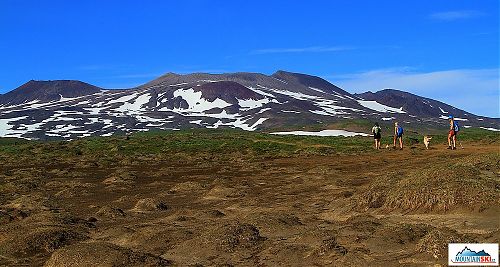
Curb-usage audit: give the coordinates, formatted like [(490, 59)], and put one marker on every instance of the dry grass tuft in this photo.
[(472, 183)]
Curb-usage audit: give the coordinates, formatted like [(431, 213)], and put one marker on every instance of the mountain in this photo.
[(309, 81), (249, 101), (413, 104), (45, 91)]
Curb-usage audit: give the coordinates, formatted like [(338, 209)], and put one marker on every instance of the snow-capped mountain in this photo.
[(250, 101), (413, 104)]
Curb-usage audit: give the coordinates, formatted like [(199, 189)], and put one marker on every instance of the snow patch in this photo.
[(388, 119), (442, 111), (178, 84), (341, 96), (196, 122), (247, 104), (320, 112), (93, 120), (123, 99), (374, 105), (323, 133), (327, 106), (144, 118), (260, 91), (64, 128), (296, 95), (257, 123), (197, 103), (6, 127), (222, 115), (63, 99), (136, 106), (457, 119), (280, 80), (316, 89), (263, 110), (490, 129), (94, 111), (238, 123)]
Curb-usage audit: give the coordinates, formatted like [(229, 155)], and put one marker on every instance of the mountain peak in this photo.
[(46, 91), (243, 100), (282, 72), (308, 80), (227, 90), (414, 104)]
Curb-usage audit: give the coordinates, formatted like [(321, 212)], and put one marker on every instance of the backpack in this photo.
[(377, 130), (456, 128), (400, 130)]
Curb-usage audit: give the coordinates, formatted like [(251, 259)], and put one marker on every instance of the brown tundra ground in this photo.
[(100, 202)]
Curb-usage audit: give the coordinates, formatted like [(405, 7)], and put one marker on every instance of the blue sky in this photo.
[(447, 49)]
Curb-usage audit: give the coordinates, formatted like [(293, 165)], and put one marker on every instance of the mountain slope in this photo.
[(249, 101), (414, 104), (45, 91), (309, 81)]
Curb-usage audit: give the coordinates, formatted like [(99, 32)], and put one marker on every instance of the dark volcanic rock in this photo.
[(46, 91), (309, 80), (413, 104), (227, 90)]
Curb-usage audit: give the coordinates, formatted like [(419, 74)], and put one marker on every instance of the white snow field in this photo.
[(323, 133), (6, 128), (197, 103), (374, 105)]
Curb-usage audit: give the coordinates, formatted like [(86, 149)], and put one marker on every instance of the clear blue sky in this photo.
[(447, 49)]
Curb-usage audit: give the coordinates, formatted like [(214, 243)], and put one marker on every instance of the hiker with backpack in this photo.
[(377, 135), (452, 133), (398, 134)]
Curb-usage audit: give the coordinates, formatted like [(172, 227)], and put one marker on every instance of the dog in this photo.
[(427, 141)]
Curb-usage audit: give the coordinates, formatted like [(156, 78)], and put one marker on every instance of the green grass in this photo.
[(218, 142), (465, 135)]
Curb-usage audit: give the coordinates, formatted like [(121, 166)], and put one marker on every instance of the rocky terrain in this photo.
[(233, 198)]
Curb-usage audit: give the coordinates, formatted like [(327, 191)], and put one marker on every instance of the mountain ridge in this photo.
[(49, 90), (408, 101), (250, 101)]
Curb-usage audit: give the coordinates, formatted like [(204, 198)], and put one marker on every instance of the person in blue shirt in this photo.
[(452, 133), (398, 135)]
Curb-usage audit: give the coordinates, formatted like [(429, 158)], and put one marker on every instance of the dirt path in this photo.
[(289, 211)]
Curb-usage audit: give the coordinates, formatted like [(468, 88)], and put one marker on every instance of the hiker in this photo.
[(377, 135), (452, 133), (398, 134)]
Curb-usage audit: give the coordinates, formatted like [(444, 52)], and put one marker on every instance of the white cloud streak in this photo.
[(311, 49), (456, 15), (474, 90)]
